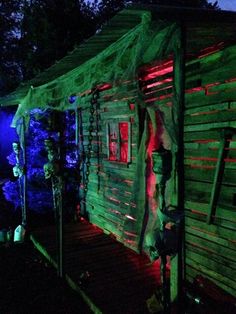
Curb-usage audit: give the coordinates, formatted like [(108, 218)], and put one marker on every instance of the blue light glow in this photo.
[(72, 99)]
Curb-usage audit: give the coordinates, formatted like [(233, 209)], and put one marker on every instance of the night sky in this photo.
[(224, 4), (227, 4)]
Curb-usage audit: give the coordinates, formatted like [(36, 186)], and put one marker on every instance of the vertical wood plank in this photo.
[(24, 209), (224, 144), (177, 264)]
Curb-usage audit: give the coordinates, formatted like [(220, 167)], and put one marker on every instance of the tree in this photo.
[(107, 8), (182, 3), (36, 33), (10, 71), (50, 29)]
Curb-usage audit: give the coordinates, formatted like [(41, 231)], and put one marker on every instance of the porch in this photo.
[(110, 277)]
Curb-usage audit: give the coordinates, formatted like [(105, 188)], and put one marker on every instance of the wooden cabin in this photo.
[(155, 78)]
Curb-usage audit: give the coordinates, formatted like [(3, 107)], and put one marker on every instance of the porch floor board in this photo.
[(120, 280)]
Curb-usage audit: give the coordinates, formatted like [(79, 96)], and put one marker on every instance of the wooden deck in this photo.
[(120, 280)]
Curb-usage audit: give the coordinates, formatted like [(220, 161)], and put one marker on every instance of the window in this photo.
[(118, 141)]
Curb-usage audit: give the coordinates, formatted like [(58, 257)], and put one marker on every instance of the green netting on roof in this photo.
[(149, 40), (120, 61)]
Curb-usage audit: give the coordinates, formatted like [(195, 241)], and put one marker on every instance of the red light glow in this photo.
[(104, 86), (205, 141), (194, 211), (131, 106), (204, 158), (204, 113), (129, 182), (194, 90), (202, 167), (114, 199), (114, 211), (131, 234), (124, 133), (157, 73), (159, 98), (130, 242), (229, 160), (208, 51), (231, 80), (167, 80), (130, 217), (127, 192), (86, 92), (158, 70)]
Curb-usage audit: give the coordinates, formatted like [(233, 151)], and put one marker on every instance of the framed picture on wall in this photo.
[(118, 141)]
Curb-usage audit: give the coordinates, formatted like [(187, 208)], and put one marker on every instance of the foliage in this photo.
[(182, 3), (34, 34), (39, 190), (10, 72), (108, 8), (11, 193), (50, 29)]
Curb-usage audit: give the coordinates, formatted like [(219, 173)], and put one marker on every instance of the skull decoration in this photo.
[(16, 147), (150, 245), (50, 169), (51, 149), (161, 242), (18, 171), (162, 167)]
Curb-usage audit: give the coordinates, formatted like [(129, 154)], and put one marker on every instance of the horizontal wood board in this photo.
[(110, 185), (120, 280), (210, 107)]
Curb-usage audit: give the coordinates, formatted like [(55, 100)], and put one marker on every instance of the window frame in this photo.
[(118, 141)]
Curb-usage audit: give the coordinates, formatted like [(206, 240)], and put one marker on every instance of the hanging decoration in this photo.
[(163, 241), (93, 129), (52, 171), (19, 172)]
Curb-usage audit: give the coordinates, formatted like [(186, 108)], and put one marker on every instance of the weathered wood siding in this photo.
[(109, 193), (210, 105)]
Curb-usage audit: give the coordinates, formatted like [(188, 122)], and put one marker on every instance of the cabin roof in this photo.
[(114, 29), (203, 28)]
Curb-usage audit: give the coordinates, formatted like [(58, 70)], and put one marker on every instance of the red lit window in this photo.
[(156, 80), (118, 135)]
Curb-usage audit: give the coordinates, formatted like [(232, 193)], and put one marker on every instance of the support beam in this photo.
[(77, 133), (24, 207), (61, 235), (226, 135), (177, 262)]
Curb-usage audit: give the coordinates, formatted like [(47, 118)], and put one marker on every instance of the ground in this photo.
[(29, 284)]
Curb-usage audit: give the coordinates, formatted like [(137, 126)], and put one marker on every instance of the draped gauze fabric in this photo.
[(148, 41)]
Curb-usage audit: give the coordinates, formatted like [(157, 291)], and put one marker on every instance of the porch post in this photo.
[(177, 262), (61, 233), (24, 207), (77, 133)]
